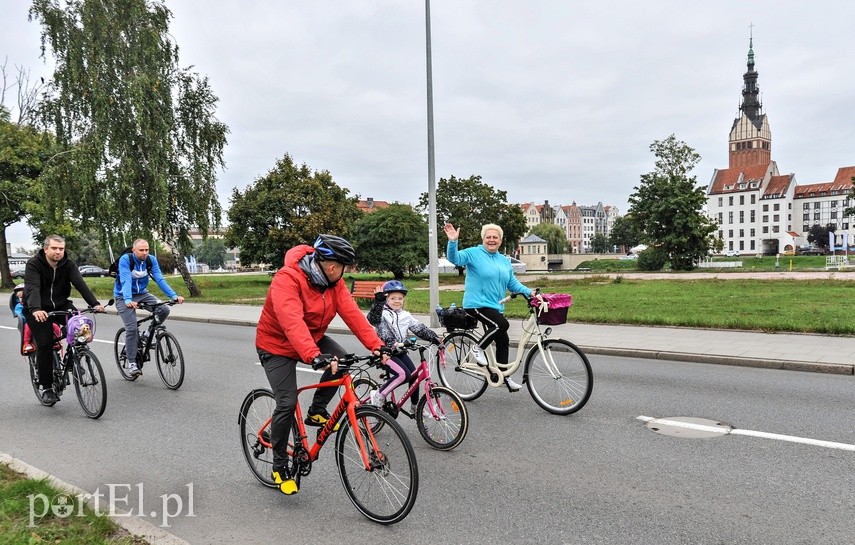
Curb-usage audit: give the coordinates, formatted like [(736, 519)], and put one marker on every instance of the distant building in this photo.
[(370, 205)]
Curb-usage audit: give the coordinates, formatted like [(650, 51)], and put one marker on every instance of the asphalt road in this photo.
[(521, 475)]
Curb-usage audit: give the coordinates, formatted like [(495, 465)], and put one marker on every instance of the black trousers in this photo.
[(495, 331), (44, 339), (282, 375)]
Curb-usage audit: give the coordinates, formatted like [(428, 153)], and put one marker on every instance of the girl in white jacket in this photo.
[(395, 325)]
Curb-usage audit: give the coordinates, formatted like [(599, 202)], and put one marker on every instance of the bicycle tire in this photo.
[(256, 409), (170, 360), (449, 427), (362, 387), (34, 378), (568, 393), (121, 356), (387, 492), (458, 349), (89, 383)]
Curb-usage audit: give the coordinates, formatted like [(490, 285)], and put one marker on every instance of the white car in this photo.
[(731, 253), (517, 265)]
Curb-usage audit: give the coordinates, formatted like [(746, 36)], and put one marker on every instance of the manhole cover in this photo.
[(688, 427)]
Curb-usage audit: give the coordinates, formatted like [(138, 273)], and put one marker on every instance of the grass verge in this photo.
[(82, 527)]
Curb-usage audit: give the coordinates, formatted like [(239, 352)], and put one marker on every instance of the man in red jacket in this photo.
[(304, 297)]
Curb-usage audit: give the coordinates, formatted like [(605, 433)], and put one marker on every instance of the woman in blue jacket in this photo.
[(488, 276)]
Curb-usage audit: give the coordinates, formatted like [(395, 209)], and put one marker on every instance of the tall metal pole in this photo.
[(433, 267)]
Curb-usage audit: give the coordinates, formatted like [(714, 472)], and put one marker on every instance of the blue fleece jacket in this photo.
[(488, 276), (133, 278)]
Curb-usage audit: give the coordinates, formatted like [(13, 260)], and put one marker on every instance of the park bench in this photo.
[(363, 289)]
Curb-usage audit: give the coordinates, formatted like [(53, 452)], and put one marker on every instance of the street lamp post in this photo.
[(433, 266)]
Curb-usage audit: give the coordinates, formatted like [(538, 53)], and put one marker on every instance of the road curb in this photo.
[(784, 365), (133, 525)]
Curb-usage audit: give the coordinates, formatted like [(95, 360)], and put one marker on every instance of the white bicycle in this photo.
[(557, 374)]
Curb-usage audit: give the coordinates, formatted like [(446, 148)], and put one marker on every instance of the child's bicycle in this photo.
[(78, 361), (378, 469), (168, 354), (440, 415), (557, 374)]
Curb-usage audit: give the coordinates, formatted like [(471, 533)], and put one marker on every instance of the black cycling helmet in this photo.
[(333, 248), (394, 285)]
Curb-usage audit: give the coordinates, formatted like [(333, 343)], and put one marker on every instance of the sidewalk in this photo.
[(793, 351)]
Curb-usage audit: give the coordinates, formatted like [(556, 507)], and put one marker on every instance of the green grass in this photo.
[(814, 306), (71, 530)]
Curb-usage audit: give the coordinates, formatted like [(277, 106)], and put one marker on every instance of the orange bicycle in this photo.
[(378, 469)]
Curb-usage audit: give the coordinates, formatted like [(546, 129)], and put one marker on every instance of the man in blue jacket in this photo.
[(131, 289)]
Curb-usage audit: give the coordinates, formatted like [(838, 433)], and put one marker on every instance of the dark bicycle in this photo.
[(77, 364), (167, 351)]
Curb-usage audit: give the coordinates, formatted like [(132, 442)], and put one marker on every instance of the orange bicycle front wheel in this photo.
[(386, 490)]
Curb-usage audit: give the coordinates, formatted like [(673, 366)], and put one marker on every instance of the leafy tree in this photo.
[(392, 239), (212, 251), (555, 237), (600, 244), (624, 232), (23, 152), (470, 203), (818, 234), (667, 206), (290, 205), (851, 210), (141, 144)]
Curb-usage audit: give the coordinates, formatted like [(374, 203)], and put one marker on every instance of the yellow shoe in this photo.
[(319, 419), (287, 485)]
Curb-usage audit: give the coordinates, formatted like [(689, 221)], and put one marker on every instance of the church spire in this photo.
[(750, 141), (751, 106)]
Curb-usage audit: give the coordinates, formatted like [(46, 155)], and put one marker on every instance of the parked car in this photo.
[(17, 273), (813, 251), (93, 270), (731, 253), (517, 265)]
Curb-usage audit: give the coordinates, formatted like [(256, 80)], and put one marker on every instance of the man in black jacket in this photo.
[(47, 287)]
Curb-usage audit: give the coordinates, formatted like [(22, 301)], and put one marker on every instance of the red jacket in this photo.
[(296, 313)]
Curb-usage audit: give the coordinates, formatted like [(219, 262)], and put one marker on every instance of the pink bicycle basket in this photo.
[(558, 305)]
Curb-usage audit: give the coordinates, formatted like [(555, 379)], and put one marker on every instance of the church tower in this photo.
[(750, 140)]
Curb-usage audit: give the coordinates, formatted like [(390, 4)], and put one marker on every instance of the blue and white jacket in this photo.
[(133, 278)]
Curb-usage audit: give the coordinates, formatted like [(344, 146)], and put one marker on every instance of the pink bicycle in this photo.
[(440, 415)]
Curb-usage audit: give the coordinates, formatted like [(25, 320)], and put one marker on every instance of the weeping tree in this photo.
[(141, 144)]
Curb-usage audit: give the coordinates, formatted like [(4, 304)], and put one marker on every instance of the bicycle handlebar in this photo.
[(72, 312), (535, 291), (152, 306), (345, 362)]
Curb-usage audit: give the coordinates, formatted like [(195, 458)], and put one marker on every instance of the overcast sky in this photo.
[(554, 100)]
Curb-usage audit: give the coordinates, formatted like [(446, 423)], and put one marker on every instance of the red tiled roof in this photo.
[(844, 177), (370, 206), (727, 180), (778, 186)]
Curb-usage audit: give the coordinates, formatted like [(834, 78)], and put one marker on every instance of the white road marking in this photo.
[(750, 433)]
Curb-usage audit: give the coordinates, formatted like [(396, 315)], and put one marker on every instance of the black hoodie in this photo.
[(47, 289)]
